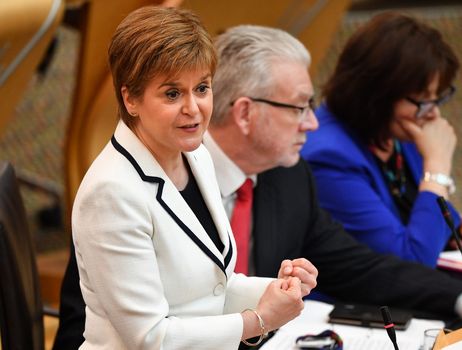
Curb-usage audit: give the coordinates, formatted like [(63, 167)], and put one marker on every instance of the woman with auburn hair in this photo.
[(153, 244), (383, 152)]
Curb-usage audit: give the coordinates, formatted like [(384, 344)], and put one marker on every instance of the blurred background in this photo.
[(52, 127)]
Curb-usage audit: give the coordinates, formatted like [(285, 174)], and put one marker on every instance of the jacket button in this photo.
[(219, 289)]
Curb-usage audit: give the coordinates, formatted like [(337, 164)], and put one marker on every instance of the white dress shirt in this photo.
[(229, 177)]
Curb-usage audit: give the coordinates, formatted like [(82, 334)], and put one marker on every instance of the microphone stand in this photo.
[(448, 218), (389, 325)]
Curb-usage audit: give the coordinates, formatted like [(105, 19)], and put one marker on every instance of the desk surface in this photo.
[(314, 319)]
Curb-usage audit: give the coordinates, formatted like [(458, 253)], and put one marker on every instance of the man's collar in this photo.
[(229, 176)]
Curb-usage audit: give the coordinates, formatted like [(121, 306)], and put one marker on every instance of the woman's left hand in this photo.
[(303, 269)]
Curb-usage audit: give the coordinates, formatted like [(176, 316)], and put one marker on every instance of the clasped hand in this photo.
[(282, 300), (302, 269)]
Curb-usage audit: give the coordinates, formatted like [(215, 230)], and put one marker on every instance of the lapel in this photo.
[(149, 170), (212, 197), (414, 163), (374, 171)]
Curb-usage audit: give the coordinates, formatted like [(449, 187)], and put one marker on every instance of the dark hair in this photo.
[(387, 59), (153, 41)]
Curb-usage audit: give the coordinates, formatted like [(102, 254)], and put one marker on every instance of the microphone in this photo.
[(389, 325), (448, 218)]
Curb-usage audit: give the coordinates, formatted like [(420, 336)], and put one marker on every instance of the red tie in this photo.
[(240, 223)]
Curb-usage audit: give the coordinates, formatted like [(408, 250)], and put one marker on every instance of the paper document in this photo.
[(450, 260), (455, 346), (314, 320)]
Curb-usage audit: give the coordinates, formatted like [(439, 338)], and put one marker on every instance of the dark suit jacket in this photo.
[(289, 224)]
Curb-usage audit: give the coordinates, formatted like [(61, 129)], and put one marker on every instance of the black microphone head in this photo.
[(386, 315), (389, 326)]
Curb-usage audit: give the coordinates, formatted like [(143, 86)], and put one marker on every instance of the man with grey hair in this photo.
[(263, 106)]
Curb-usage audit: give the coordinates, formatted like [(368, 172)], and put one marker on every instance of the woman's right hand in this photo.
[(436, 142), (281, 302)]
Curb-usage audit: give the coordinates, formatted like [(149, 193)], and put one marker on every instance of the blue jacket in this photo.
[(351, 186)]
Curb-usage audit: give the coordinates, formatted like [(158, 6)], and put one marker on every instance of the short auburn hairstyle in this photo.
[(154, 41), (390, 57)]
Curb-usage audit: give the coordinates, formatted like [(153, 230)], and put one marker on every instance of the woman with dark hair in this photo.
[(383, 153)]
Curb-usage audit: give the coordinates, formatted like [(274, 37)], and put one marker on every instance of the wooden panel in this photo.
[(51, 327), (51, 267), (104, 119), (314, 22)]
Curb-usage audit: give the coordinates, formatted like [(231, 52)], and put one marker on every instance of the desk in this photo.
[(314, 320)]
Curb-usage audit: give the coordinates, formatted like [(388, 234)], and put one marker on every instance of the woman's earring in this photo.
[(134, 114)]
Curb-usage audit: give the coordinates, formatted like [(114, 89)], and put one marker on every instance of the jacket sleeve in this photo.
[(350, 271), (348, 192), (244, 292)]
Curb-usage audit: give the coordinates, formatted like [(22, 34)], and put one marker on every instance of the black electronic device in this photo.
[(367, 316)]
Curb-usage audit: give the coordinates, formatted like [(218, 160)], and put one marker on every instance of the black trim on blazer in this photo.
[(180, 223), (230, 252)]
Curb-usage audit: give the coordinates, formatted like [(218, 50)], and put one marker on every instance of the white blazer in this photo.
[(150, 275)]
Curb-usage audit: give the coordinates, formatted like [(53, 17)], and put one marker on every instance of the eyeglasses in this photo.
[(302, 111), (423, 107)]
